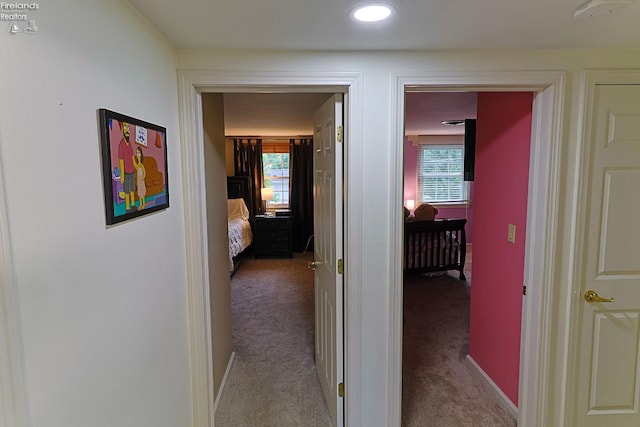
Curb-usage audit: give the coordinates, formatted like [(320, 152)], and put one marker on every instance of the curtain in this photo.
[(301, 191), (248, 162)]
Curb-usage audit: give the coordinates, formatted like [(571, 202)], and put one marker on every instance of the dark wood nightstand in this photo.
[(273, 236)]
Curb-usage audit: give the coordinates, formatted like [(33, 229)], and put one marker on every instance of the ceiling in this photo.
[(424, 112), (417, 24), (291, 114), (271, 114)]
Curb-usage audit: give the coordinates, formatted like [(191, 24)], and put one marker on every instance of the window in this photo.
[(275, 167), (440, 174)]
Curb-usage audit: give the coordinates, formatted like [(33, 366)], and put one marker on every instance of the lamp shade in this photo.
[(411, 204), (266, 193)]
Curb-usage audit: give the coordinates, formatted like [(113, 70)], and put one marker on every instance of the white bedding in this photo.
[(240, 235)]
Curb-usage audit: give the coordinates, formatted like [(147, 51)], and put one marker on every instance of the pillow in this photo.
[(236, 208)]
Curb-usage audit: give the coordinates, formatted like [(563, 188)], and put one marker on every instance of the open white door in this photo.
[(327, 187), (607, 389)]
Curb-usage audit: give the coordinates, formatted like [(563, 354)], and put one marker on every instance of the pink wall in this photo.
[(501, 186), (462, 212), (410, 170), (411, 182)]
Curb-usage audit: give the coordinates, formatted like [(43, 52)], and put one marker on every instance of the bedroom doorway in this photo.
[(547, 88), (437, 307), (336, 362)]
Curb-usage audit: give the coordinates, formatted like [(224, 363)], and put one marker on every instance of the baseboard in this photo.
[(224, 380), (504, 400)]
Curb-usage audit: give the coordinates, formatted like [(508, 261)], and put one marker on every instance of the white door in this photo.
[(608, 359), (327, 187)]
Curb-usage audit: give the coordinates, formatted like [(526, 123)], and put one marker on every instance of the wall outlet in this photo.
[(511, 233)]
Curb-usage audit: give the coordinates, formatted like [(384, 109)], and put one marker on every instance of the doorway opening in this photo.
[(542, 199), (271, 289), (191, 86), (442, 378)]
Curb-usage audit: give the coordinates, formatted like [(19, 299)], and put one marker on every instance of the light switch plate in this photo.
[(511, 233)]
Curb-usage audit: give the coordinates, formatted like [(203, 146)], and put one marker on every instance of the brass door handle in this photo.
[(592, 296), (313, 264)]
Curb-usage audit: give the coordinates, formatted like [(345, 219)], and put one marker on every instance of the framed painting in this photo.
[(134, 166)]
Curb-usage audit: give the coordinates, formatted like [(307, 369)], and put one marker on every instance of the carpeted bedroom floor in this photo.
[(440, 386), (273, 380)]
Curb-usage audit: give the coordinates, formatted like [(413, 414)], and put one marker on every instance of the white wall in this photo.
[(377, 69), (102, 310)]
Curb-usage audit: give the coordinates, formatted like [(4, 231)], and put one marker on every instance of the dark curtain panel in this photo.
[(248, 162), (301, 196)]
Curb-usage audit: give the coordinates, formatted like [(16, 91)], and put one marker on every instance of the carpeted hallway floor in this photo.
[(273, 380)]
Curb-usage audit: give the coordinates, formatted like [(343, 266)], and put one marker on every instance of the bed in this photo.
[(240, 235), (434, 245), (239, 218)]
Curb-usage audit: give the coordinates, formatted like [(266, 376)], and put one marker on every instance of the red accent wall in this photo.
[(501, 187)]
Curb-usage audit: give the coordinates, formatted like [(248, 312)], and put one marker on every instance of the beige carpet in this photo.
[(273, 381), (440, 386)]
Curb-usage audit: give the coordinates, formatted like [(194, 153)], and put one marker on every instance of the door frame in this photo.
[(588, 80), (191, 84), (541, 236)]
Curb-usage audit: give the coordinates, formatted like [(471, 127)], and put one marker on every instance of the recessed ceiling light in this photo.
[(372, 12)]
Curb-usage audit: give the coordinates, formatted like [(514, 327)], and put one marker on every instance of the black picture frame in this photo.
[(140, 149)]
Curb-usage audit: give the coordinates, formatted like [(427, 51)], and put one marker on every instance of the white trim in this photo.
[(190, 84), (396, 305), (13, 402), (578, 169), (504, 400), (200, 354), (541, 234), (540, 252), (223, 383)]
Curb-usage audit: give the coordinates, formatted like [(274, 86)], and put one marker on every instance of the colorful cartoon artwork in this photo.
[(135, 172)]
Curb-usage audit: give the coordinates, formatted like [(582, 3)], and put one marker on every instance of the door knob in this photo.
[(313, 264), (592, 296)]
